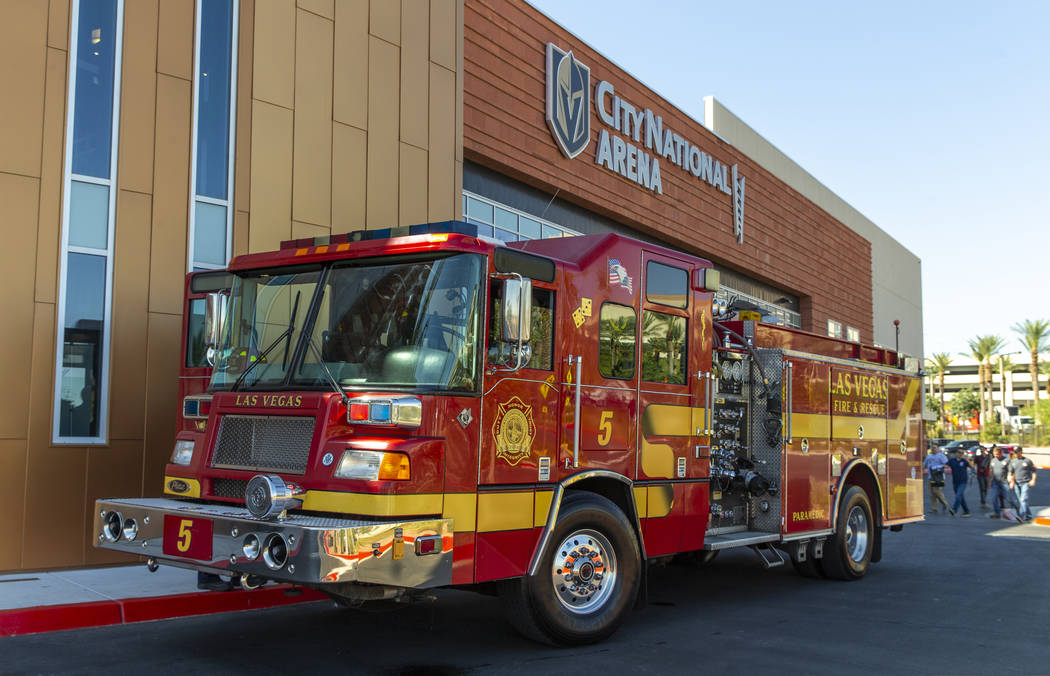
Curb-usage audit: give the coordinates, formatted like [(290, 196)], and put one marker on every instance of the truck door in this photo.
[(668, 422), (195, 369), (518, 434)]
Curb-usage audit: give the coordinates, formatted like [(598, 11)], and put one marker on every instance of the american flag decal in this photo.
[(618, 275)]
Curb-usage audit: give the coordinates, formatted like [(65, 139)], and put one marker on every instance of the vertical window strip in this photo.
[(213, 145), (85, 291)]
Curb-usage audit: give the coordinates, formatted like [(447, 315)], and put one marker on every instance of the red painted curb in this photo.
[(38, 619), (59, 618)]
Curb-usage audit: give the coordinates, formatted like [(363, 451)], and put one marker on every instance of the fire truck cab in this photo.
[(395, 410)]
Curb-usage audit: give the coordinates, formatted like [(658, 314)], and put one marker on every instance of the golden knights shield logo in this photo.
[(568, 101), (513, 431)]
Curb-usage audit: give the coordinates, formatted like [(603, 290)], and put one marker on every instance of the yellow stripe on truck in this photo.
[(369, 504)]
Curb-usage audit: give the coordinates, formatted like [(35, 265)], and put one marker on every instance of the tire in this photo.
[(544, 607), (848, 552)]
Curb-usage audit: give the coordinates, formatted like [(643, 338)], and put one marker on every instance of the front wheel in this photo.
[(587, 579), (850, 549)]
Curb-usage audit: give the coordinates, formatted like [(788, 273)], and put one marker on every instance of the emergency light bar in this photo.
[(442, 227)]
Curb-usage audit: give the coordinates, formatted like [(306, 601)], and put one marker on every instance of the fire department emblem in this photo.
[(568, 101), (513, 431)]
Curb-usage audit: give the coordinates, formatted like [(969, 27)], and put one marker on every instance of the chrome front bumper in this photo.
[(320, 550)]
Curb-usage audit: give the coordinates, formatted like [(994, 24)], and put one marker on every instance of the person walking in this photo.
[(1022, 477), (999, 475), (934, 464), (960, 466), (981, 461)]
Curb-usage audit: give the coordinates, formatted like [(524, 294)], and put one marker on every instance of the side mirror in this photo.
[(517, 310), (214, 318)]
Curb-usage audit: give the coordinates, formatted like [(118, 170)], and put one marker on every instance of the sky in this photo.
[(928, 117)]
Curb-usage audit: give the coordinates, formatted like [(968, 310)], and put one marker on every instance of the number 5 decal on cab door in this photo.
[(605, 428)]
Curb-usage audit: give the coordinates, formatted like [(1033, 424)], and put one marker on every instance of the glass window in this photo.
[(852, 334), (479, 210), (214, 84), (93, 99), (81, 367), (664, 341), (504, 235), (213, 96), (209, 243), (666, 285), (834, 328), (530, 228), (196, 351), (508, 220), (542, 341), (88, 215), (616, 341), (550, 232)]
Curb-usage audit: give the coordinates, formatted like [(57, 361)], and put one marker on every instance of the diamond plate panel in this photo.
[(264, 443), (768, 458)]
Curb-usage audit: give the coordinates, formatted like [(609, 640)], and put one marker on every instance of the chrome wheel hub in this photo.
[(856, 534), (583, 571)]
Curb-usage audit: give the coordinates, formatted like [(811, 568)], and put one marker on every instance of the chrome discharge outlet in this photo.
[(275, 551)]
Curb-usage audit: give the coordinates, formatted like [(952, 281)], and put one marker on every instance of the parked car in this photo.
[(936, 443), (967, 445)]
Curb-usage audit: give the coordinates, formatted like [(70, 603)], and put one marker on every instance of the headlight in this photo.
[(183, 452), (373, 466)]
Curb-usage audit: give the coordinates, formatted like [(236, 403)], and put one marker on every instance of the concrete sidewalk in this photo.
[(91, 597)]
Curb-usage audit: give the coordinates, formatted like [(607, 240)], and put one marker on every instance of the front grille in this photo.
[(229, 488), (263, 443)]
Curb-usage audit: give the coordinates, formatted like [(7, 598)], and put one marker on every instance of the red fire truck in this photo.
[(390, 411)]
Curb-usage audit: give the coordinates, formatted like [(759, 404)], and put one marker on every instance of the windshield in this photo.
[(402, 323), (265, 320)]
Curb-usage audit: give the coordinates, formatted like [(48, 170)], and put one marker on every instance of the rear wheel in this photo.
[(587, 579), (848, 552)]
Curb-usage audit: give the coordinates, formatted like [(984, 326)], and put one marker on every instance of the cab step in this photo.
[(770, 555)]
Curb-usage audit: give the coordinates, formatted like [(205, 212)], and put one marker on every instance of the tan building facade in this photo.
[(344, 114)]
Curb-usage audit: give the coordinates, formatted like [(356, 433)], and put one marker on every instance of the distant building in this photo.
[(962, 374)]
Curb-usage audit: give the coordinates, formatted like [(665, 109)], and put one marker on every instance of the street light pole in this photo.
[(897, 339), (1002, 384)]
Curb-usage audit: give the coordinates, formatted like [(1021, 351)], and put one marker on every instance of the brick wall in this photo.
[(789, 242)]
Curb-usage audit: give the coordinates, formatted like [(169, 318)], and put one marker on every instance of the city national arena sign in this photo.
[(633, 140)]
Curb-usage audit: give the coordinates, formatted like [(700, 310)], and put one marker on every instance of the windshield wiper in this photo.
[(327, 372), (287, 333)]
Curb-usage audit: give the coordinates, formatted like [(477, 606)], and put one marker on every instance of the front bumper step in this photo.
[(319, 550)]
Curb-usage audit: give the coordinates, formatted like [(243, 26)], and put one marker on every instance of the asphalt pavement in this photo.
[(951, 596)]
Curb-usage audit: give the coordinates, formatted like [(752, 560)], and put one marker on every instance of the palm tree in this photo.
[(982, 349), (1002, 366), (941, 360), (1034, 334)]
